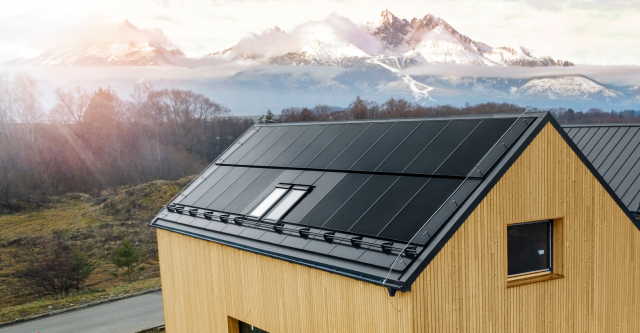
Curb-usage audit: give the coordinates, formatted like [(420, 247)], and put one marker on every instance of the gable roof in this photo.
[(381, 190), (614, 150)]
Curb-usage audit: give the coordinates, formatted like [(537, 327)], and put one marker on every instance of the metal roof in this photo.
[(386, 194), (614, 150)]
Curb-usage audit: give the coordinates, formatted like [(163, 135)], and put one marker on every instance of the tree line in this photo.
[(401, 108), (93, 140)]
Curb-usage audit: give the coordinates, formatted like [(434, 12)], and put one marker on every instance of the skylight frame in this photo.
[(287, 198)]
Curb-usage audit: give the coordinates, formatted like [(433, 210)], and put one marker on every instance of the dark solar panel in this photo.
[(360, 202), (263, 145), (442, 147), (388, 205), (298, 145), (205, 185), (317, 146), (337, 146), (220, 187), (334, 199), (257, 186), (251, 142), (308, 177), (419, 210), (235, 189), (410, 148), (323, 186), (385, 146), (360, 146), (279, 146), (474, 147), (287, 176)]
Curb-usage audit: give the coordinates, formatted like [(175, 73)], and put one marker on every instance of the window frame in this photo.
[(289, 188), (556, 255)]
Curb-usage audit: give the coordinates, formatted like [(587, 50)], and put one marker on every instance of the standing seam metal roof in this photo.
[(381, 190), (614, 150)]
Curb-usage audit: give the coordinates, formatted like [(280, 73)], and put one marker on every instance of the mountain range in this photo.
[(373, 64)]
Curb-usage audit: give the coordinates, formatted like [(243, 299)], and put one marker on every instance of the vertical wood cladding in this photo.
[(464, 289)]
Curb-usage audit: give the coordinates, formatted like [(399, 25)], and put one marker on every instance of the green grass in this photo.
[(96, 226)]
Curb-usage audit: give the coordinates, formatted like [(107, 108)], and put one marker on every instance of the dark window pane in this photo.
[(528, 246), (246, 328)]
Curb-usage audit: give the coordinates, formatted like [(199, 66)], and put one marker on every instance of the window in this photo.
[(529, 247), (246, 328), (280, 202)]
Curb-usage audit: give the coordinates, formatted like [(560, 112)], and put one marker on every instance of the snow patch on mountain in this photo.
[(566, 87)]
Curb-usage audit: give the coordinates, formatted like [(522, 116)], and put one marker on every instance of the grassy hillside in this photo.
[(96, 226)]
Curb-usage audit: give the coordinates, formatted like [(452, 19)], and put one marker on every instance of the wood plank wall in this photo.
[(462, 290)]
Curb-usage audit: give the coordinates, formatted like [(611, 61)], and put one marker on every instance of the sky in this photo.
[(592, 32)]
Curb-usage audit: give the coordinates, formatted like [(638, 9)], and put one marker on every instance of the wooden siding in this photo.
[(464, 289)]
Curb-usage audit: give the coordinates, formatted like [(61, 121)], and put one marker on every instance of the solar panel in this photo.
[(442, 147), (273, 151), (385, 146), (398, 161), (360, 146), (338, 145), (334, 199), (317, 146), (298, 145)]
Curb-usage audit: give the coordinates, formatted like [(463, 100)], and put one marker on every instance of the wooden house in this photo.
[(492, 223)]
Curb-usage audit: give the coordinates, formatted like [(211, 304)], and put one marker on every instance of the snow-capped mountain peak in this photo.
[(118, 45)]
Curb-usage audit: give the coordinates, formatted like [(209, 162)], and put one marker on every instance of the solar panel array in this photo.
[(614, 150), (377, 179)]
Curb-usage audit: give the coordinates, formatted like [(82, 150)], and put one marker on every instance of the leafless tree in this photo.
[(26, 101), (71, 107), (6, 104)]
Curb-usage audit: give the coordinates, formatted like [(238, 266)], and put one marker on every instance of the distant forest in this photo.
[(93, 140)]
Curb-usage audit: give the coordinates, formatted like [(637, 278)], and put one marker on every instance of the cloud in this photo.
[(335, 30), (616, 75), (101, 31)]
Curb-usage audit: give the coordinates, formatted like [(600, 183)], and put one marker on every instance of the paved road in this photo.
[(128, 315)]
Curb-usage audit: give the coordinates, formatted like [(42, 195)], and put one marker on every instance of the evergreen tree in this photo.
[(126, 258)]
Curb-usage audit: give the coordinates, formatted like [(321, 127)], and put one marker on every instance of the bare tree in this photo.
[(71, 107), (6, 104), (28, 108)]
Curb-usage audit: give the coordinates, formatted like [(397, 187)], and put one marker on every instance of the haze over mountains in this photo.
[(370, 60)]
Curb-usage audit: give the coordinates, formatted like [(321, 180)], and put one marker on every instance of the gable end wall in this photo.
[(462, 290)]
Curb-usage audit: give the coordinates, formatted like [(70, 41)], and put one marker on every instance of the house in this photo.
[(614, 150), (491, 223)]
